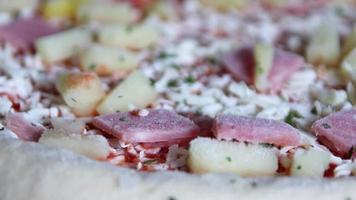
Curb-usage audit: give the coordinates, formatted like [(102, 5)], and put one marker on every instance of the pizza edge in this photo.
[(34, 172)]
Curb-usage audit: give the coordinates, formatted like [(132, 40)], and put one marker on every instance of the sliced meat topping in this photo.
[(256, 130), (205, 123), (23, 33), (285, 64), (300, 8), (337, 131), (158, 126), (240, 64), (24, 129)]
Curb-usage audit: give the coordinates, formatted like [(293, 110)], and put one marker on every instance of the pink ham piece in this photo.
[(255, 130), (24, 129), (205, 123), (162, 127), (241, 65), (337, 131), (23, 33), (299, 8), (285, 64)]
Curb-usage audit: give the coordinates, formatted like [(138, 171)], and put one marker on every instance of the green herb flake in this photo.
[(152, 82), (259, 70), (172, 83), (348, 198), (149, 162), (213, 60), (190, 79), (228, 158), (92, 67), (74, 100), (314, 110), (199, 112), (299, 167), (129, 29), (165, 55), (267, 145), (293, 114)]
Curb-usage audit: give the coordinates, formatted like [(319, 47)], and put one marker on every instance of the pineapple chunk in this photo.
[(17, 5), (324, 46), (164, 10), (63, 45), (69, 125), (61, 8), (264, 59), (311, 162), (210, 155), (348, 66), (226, 4), (107, 60), (81, 91), (93, 146), (350, 42), (107, 12), (136, 90), (132, 37)]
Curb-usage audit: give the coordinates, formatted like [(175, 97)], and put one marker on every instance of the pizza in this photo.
[(177, 100)]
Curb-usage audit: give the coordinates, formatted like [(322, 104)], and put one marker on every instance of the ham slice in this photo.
[(24, 129), (299, 8), (337, 131), (256, 130), (205, 123), (285, 64), (241, 65), (23, 33), (161, 127)]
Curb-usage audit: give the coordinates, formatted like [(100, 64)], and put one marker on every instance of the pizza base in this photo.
[(33, 172)]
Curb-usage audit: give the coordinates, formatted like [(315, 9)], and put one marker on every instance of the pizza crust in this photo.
[(33, 172)]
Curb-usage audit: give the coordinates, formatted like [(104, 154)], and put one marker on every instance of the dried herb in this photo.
[(172, 83), (325, 125), (190, 79), (291, 116), (165, 55)]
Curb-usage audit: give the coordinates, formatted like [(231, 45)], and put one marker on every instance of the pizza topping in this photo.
[(158, 126), (25, 130), (241, 64), (299, 8), (211, 155), (257, 130), (285, 64), (204, 122), (311, 162), (92, 146), (23, 33), (337, 131)]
